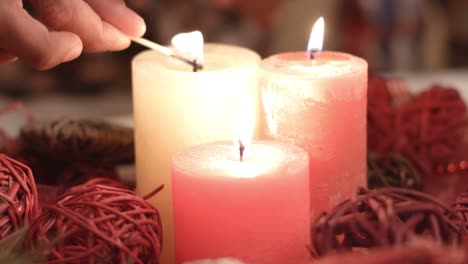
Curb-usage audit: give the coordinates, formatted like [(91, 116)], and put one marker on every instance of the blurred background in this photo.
[(392, 35)]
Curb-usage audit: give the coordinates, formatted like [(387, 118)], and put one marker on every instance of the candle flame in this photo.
[(316, 38), (190, 45), (244, 123)]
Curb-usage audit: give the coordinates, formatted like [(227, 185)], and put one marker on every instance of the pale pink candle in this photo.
[(255, 210), (320, 105)]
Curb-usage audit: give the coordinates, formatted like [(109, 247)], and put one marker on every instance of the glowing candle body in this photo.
[(175, 107), (256, 210), (321, 107)]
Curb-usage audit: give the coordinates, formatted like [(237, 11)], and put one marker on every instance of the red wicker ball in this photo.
[(461, 208), (428, 129), (420, 252), (108, 182), (384, 217), (97, 224), (18, 196)]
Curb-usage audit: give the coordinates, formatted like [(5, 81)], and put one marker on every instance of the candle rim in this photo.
[(251, 60), (286, 150), (268, 65)]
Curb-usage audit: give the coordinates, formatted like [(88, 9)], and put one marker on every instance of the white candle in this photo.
[(255, 210), (175, 107)]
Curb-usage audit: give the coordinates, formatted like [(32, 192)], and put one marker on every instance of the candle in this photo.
[(175, 107), (255, 210), (318, 101)]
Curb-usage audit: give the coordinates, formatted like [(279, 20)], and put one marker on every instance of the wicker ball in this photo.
[(383, 217), (429, 129), (79, 140), (97, 224), (461, 208), (391, 170), (108, 182), (18, 196), (421, 252)]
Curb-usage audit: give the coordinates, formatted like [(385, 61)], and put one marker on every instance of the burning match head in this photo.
[(194, 63), (196, 66)]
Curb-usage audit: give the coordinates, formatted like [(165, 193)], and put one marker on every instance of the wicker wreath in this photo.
[(18, 195), (97, 224), (383, 217), (79, 140)]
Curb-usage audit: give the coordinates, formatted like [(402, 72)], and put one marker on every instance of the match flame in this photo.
[(316, 37), (190, 45)]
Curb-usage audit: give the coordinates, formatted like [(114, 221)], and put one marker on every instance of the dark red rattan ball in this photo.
[(391, 170), (383, 217), (461, 208), (79, 140), (420, 252), (429, 129), (18, 196), (97, 224)]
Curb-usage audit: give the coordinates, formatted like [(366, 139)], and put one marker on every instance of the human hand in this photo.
[(68, 28)]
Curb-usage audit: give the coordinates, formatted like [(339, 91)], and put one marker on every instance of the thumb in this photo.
[(29, 40)]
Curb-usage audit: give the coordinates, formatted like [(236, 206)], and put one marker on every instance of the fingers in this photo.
[(24, 37), (118, 14), (78, 17)]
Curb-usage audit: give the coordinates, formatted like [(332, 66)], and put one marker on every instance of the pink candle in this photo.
[(320, 105), (255, 210)]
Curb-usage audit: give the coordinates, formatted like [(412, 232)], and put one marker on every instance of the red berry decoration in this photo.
[(97, 224), (18, 196), (383, 217)]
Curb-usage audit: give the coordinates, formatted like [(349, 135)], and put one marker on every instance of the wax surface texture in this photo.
[(175, 108), (256, 210), (320, 106)]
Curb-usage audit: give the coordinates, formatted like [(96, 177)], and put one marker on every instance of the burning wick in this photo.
[(241, 150), (313, 54), (314, 48)]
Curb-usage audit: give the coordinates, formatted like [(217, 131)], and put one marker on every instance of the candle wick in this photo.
[(194, 64), (241, 150), (313, 54)]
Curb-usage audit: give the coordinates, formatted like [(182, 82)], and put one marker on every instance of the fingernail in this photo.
[(123, 42), (73, 53), (141, 28)]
